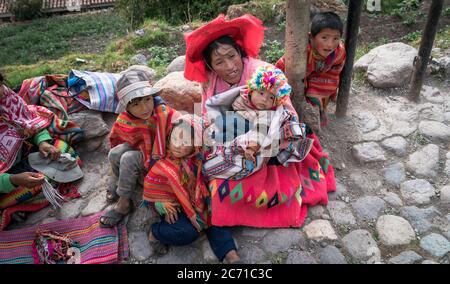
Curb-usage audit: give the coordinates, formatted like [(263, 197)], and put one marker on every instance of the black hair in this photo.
[(216, 44), (1, 79), (325, 20)]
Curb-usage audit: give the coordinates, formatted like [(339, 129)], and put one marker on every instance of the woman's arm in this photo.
[(5, 183), (42, 140)]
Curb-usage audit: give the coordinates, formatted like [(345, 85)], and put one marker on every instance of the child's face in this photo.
[(263, 100), (181, 144), (141, 107), (326, 41)]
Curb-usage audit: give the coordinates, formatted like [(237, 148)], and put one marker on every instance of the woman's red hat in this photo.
[(247, 31)]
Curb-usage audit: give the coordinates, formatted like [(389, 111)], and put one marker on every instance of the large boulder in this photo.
[(177, 64), (388, 65), (179, 93)]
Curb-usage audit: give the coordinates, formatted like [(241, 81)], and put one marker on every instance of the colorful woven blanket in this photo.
[(274, 196), (97, 245), (18, 121), (149, 136), (51, 92), (282, 137), (100, 86)]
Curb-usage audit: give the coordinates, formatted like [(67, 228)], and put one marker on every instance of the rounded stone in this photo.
[(420, 218), (360, 244), (406, 257), (418, 191), (300, 257), (340, 213), (368, 207), (281, 240), (435, 131), (425, 162), (393, 199), (331, 255), (140, 247), (368, 152), (320, 230), (435, 244), (394, 230), (396, 144), (394, 174), (445, 194)]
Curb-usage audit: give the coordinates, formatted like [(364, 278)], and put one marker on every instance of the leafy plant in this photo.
[(408, 10), (161, 56), (274, 51), (26, 9)]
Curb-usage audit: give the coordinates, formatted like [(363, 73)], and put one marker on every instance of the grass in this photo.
[(53, 55), (52, 38), (442, 39)]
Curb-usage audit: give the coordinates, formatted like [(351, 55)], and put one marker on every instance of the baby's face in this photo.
[(263, 100), (181, 144), (141, 107)]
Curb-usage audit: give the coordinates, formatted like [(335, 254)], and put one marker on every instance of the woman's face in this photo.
[(227, 63)]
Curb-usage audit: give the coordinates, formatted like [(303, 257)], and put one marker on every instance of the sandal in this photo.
[(113, 218)]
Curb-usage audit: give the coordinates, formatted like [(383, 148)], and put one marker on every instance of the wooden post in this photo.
[(297, 28), (426, 44), (351, 38)]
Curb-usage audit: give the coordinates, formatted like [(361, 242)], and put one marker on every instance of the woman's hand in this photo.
[(47, 149), (27, 179)]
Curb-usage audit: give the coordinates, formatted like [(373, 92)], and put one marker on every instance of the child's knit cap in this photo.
[(271, 79)]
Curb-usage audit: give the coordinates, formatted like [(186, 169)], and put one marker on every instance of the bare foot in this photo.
[(232, 257)]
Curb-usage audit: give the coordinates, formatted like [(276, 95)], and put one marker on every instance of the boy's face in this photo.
[(326, 41), (263, 100), (141, 107), (181, 144)]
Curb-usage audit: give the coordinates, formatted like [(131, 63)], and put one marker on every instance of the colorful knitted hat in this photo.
[(271, 79)]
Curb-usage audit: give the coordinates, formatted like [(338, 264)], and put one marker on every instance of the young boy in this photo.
[(326, 58), (176, 188), (137, 139)]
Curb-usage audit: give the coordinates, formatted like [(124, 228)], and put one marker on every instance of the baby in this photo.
[(265, 91)]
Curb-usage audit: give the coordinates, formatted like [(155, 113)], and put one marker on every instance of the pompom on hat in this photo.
[(271, 79), (247, 31)]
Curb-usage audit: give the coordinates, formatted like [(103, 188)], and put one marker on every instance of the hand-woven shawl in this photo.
[(149, 136), (180, 181), (18, 121)]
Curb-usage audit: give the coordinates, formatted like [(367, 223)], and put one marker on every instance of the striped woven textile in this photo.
[(51, 92), (97, 245), (100, 86)]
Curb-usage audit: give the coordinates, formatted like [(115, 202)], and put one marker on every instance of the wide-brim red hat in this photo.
[(247, 31)]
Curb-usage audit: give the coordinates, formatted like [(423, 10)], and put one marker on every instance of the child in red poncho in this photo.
[(326, 58)]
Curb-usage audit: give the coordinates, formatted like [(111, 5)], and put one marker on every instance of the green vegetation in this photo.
[(273, 51), (173, 11), (52, 38), (442, 39)]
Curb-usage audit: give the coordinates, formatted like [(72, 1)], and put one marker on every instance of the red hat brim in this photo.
[(247, 31)]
